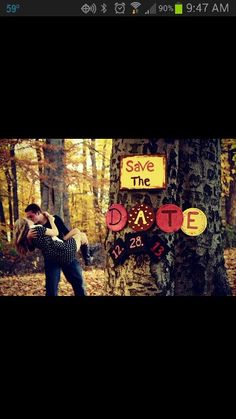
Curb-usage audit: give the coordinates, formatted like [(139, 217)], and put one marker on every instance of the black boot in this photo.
[(86, 254)]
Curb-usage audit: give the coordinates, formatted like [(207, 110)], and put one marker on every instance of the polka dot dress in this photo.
[(62, 252)]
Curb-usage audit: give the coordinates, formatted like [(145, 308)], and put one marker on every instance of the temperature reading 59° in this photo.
[(12, 8)]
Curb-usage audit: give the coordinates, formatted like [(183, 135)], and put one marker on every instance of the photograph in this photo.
[(117, 217)]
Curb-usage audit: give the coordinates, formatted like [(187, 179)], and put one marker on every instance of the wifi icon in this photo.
[(135, 6)]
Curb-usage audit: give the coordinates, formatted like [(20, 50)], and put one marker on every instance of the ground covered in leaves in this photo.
[(33, 285)]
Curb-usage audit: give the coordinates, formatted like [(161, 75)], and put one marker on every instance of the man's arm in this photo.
[(63, 230), (53, 231)]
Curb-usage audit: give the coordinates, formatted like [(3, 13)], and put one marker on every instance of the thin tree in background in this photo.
[(14, 181), (85, 187), (41, 168), (65, 194), (3, 232), (103, 173), (9, 198), (97, 209)]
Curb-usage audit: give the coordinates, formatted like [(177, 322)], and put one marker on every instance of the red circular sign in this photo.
[(141, 217), (169, 218), (116, 217)]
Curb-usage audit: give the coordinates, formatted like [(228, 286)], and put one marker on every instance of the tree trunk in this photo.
[(14, 182), (66, 210), (3, 232), (139, 275), (199, 264), (97, 209), (103, 174), (54, 191), (45, 175), (41, 168), (9, 198), (194, 265), (85, 188)]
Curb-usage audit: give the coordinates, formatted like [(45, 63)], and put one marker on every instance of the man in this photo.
[(73, 271)]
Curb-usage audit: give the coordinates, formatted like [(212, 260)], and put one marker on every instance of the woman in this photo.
[(53, 248)]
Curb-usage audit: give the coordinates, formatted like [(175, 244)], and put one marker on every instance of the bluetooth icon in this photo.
[(103, 8)]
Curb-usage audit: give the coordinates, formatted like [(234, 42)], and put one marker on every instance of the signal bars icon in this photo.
[(86, 8), (152, 10)]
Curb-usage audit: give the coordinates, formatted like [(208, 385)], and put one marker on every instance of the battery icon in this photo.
[(178, 9)]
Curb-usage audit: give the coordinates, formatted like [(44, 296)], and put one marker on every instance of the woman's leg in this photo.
[(77, 240), (84, 238)]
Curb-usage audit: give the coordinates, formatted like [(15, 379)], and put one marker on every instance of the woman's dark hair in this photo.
[(34, 208)]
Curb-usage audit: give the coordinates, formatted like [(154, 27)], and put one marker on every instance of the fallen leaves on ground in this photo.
[(34, 285), (230, 264)]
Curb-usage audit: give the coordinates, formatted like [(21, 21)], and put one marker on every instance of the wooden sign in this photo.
[(141, 217), (143, 172), (157, 248), (195, 222), (136, 243), (169, 218), (116, 217), (118, 252)]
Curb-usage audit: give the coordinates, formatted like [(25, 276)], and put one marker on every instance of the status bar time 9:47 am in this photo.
[(145, 8)]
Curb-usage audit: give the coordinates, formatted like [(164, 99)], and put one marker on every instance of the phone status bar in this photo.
[(121, 8)]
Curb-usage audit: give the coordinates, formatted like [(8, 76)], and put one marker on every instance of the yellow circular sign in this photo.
[(195, 222)]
